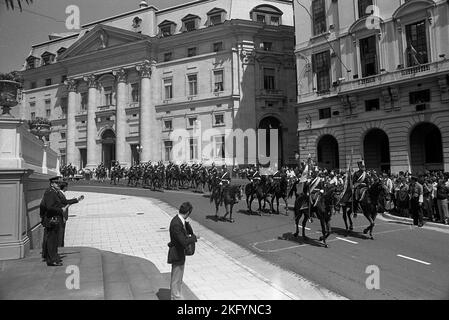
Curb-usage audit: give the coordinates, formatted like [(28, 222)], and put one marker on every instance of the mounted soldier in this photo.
[(360, 183)]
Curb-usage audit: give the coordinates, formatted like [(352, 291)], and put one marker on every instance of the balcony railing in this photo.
[(395, 76)]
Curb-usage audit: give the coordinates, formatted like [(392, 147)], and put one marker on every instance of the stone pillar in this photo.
[(147, 112), (71, 122), (91, 121), (120, 117)]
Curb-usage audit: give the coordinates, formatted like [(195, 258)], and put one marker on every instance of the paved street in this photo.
[(412, 261), (138, 227)]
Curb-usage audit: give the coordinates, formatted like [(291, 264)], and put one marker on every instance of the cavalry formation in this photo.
[(316, 194)]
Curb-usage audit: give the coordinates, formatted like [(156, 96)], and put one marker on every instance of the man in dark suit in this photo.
[(51, 208), (66, 202), (181, 235)]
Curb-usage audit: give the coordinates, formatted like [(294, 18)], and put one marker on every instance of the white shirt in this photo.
[(182, 220)]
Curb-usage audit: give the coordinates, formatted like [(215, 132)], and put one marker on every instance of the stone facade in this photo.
[(121, 85), (388, 106)]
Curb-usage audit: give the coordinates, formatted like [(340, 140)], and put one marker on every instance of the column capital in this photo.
[(91, 80), (145, 68), (72, 85), (121, 75)]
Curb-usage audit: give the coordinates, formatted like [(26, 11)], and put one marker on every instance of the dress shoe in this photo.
[(54, 264)]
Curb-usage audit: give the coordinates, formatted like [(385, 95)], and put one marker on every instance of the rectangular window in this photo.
[(47, 104), (420, 97), (191, 122), (321, 67), (416, 44), (167, 56), (269, 78), (218, 46), (33, 115), (219, 119), (63, 78), (193, 148), (63, 135), (48, 82), (64, 104), (267, 46), (372, 105), (260, 18), (191, 52), (32, 104), (218, 81), (319, 16), (215, 19), (84, 99), (368, 56), (168, 88), (193, 85), (189, 25), (166, 31), (168, 124), (363, 8), (33, 85), (274, 21), (220, 146), (325, 113), (135, 92), (168, 146), (108, 96)]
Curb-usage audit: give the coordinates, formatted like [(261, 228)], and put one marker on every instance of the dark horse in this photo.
[(231, 195), (279, 190), (321, 205), (369, 201), (257, 189)]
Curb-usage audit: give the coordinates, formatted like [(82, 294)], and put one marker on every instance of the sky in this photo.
[(20, 30)]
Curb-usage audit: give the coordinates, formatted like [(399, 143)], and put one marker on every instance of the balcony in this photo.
[(108, 110), (271, 93), (395, 77)]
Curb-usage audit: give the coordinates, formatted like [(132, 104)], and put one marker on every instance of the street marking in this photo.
[(420, 261), (343, 239)]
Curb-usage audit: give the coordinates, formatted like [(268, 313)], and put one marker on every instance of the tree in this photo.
[(10, 3)]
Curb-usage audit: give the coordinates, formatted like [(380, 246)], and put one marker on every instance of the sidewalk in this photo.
[(427, 224), (219, 269)]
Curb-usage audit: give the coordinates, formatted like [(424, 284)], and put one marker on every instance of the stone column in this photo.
[(120, 117), (71, 122), (147, 112), (91, 121)]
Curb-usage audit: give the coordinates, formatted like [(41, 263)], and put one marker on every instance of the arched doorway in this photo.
[(108, 148), (269, 123), (376, 151), (327, 153), (426, 148)]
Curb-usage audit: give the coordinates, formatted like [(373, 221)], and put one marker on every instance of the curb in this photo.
[(404, 219)]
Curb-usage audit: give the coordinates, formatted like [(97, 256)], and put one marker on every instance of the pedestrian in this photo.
[(51, 213), (442, 201), (181, 236), (402, 197), (66, 202), (416, 201)]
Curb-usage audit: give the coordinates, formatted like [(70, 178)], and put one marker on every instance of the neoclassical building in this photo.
[(373, 83), (116, 89)]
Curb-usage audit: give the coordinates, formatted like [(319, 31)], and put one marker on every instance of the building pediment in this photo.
[(360, 26), (215, 10), (166, 23), (190, 17), (413, 7), (99, 38)]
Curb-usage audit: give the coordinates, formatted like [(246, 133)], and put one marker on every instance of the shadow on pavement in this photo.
[(300, 240)]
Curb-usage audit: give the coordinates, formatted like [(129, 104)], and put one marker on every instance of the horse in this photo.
[(232, 194), (259, 190), (369, 201), (201, 178), (278, 190), (321, 203)]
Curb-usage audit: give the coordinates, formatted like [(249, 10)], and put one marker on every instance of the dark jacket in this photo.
[(50, 206), (442, 192), (65, 202), (179, 240)]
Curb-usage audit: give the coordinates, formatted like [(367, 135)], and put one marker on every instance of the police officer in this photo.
[(52, 210), (359, 180)]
